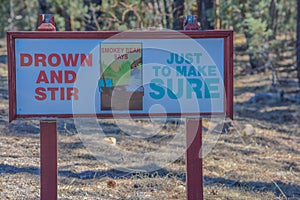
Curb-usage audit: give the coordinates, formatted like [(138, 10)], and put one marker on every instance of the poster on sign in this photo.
[(121, 84), (137, 74)]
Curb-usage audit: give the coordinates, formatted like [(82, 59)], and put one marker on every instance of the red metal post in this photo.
[(194, 174), (48, 138), (48, 156)]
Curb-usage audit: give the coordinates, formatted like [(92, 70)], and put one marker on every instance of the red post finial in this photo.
[(46, 22), (191, 23)]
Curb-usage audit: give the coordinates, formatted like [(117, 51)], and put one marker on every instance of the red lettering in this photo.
[(70, 60), (25, 60), (42, 77), (55, 93), (62, 93), (39, 58), (121, 56), (70, 76), (72, 92), (40, 94), (52, 92), (57, 60), (86, 60), (55, 76)]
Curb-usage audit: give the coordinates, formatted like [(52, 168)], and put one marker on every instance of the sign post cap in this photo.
[(191, 23), (46, 22)]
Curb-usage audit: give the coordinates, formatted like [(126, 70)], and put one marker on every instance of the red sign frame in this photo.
[(227, 35)]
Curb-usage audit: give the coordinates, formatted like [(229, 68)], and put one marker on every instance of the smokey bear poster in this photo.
[(120, 82)]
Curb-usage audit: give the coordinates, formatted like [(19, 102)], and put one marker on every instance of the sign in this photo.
[(112, 74)]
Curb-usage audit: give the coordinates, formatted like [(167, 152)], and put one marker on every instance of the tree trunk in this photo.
[(298, 42), (167, 13), (273, 12), (68, 24), (254, 61), (204, 7), (62, 11), (11, 25), (178, 8), (217, 15), (160, 12), (43, 9), (91, 21)]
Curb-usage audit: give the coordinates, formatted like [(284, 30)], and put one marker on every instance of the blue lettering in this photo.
[(192, 71), (201, 70), (181, 70), (209, 87), (211, 71), (156, 85), (193, 85), (171, 89), (156, 68)]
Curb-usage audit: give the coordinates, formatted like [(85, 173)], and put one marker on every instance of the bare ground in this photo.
[(257, 156)]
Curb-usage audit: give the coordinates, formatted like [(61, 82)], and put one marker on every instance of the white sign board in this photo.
[(59, 75)]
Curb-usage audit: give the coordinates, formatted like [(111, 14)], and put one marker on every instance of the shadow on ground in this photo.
[(277, 187)]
